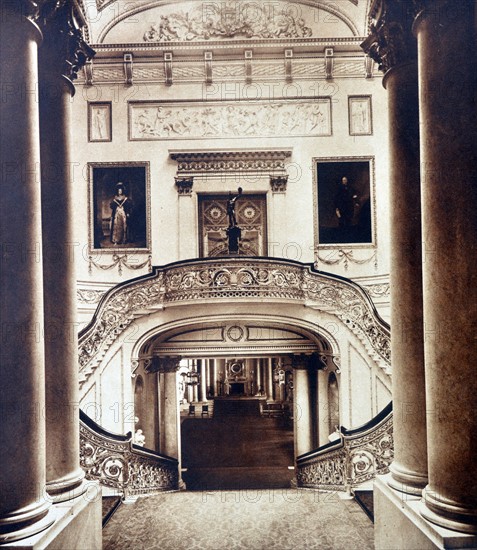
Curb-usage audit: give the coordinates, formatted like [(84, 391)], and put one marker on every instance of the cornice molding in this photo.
[(212, 162)]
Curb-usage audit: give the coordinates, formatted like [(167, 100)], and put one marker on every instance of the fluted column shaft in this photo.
[(23, 506), (270, 378), (448, 98)]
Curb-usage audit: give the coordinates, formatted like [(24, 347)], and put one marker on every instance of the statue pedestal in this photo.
[(234, 233)]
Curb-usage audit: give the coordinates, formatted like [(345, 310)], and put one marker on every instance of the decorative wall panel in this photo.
[(220, 119)]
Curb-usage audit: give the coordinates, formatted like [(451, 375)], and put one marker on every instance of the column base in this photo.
[(77, 524), (399, 525), (405, 481), (68, 487), (449, 514)]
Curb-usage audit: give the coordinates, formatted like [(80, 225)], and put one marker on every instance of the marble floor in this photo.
[(274, 519)]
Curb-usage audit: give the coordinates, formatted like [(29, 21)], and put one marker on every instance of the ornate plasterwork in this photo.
[(379, 290), (354, 460), (117, 464), (233, 279), (91, 297), (221, 119), (119, 261), (217, 21), (345, 257), (217, 162)]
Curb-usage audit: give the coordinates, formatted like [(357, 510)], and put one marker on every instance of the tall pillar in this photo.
[(186, 218), (214, 376), (448, 98), (23, 507), (202, 366), (302, 409), (171, 413), (270, 378), (259, 374), (398, 61), (62, 54)]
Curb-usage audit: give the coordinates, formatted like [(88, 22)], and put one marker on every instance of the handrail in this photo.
[(356, 457), (116, 462), (239, 278)]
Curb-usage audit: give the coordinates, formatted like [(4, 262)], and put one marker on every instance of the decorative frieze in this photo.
[(226, 280), (222, 119), (90, 297)]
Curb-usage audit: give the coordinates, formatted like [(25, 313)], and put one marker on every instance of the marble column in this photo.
[(214, 376), (186, 218), (23, 506), (270, 379), (398, 61), (302, 408), (170, 407), (202, 366), (259, 375), (448, 98), (60, 57)]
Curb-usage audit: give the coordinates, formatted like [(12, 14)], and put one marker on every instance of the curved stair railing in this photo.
[(358, 456), (240, 279), (116, 462)]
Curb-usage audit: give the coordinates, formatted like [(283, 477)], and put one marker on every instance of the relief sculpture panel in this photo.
[(162, 120)]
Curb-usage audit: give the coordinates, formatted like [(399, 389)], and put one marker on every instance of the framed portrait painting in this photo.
[(344, 201), (119, 206), (99, 121)]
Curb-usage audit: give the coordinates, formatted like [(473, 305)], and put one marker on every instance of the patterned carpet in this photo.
[(240, 520)]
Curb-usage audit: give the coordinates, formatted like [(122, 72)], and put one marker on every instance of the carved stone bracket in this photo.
[(184, 185), (163, 364)]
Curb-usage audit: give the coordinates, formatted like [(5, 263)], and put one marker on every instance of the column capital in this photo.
[(62, 22), (391, 41), (184, 184), (163, 364), (303, 361), (278, 184)]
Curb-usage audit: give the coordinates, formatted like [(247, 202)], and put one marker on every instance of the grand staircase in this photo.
[(237, 448)]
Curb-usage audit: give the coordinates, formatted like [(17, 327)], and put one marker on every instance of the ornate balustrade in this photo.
[(356, 457), (116, 462), (241, 279)]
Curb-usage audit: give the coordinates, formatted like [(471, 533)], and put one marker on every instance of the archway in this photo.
[(238, 398)]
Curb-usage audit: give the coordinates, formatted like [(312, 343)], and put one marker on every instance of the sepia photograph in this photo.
[(238, 289)]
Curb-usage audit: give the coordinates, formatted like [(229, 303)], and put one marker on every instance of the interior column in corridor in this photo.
[(448, 99), (61, 56), (398, 60), (23, 507), (168, 368), (302, 405), (269, 390)]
